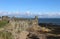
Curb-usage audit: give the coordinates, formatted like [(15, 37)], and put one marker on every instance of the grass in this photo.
[(3, 23), (5, 35)]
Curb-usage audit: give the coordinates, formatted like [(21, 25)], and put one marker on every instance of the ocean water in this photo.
[(50, 20)]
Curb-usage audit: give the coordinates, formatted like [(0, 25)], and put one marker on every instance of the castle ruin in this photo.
[(22, 28)]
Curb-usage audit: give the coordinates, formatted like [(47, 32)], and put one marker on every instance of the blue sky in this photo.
[(42, 8)]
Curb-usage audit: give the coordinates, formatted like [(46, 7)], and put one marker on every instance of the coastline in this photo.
[(49, 24), (54, 27)]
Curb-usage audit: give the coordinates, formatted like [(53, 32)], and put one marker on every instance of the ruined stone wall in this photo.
[(16, 27)]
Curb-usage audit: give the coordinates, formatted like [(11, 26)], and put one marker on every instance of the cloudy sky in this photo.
[(26, 8)]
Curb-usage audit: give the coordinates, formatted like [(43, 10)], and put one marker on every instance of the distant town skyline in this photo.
[(27, 8)]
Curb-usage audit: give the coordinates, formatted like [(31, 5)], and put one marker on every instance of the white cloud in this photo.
[(2, 13), (50, 14), (28, 13)]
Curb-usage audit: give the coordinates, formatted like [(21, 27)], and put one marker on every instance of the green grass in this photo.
[(6, 35), (3, 23)]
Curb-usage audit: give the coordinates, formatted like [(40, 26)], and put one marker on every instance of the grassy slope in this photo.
[(3, 23), (5, 35)]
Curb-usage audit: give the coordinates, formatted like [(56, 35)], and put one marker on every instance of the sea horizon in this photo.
[(49, 20)]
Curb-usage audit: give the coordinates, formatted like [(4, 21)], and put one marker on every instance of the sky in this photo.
[(30, 8)]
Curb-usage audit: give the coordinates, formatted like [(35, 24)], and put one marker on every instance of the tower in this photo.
[(36, 19)]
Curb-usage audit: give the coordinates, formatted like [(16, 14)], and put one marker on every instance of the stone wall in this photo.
[(16, 27)]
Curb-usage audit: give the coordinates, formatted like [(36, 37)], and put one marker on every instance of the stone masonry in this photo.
[(18, 26)]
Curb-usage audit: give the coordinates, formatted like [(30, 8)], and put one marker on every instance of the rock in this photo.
[(32, 36), (23, 35)]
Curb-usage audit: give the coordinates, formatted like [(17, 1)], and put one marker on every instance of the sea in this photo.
[(49, 20)]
